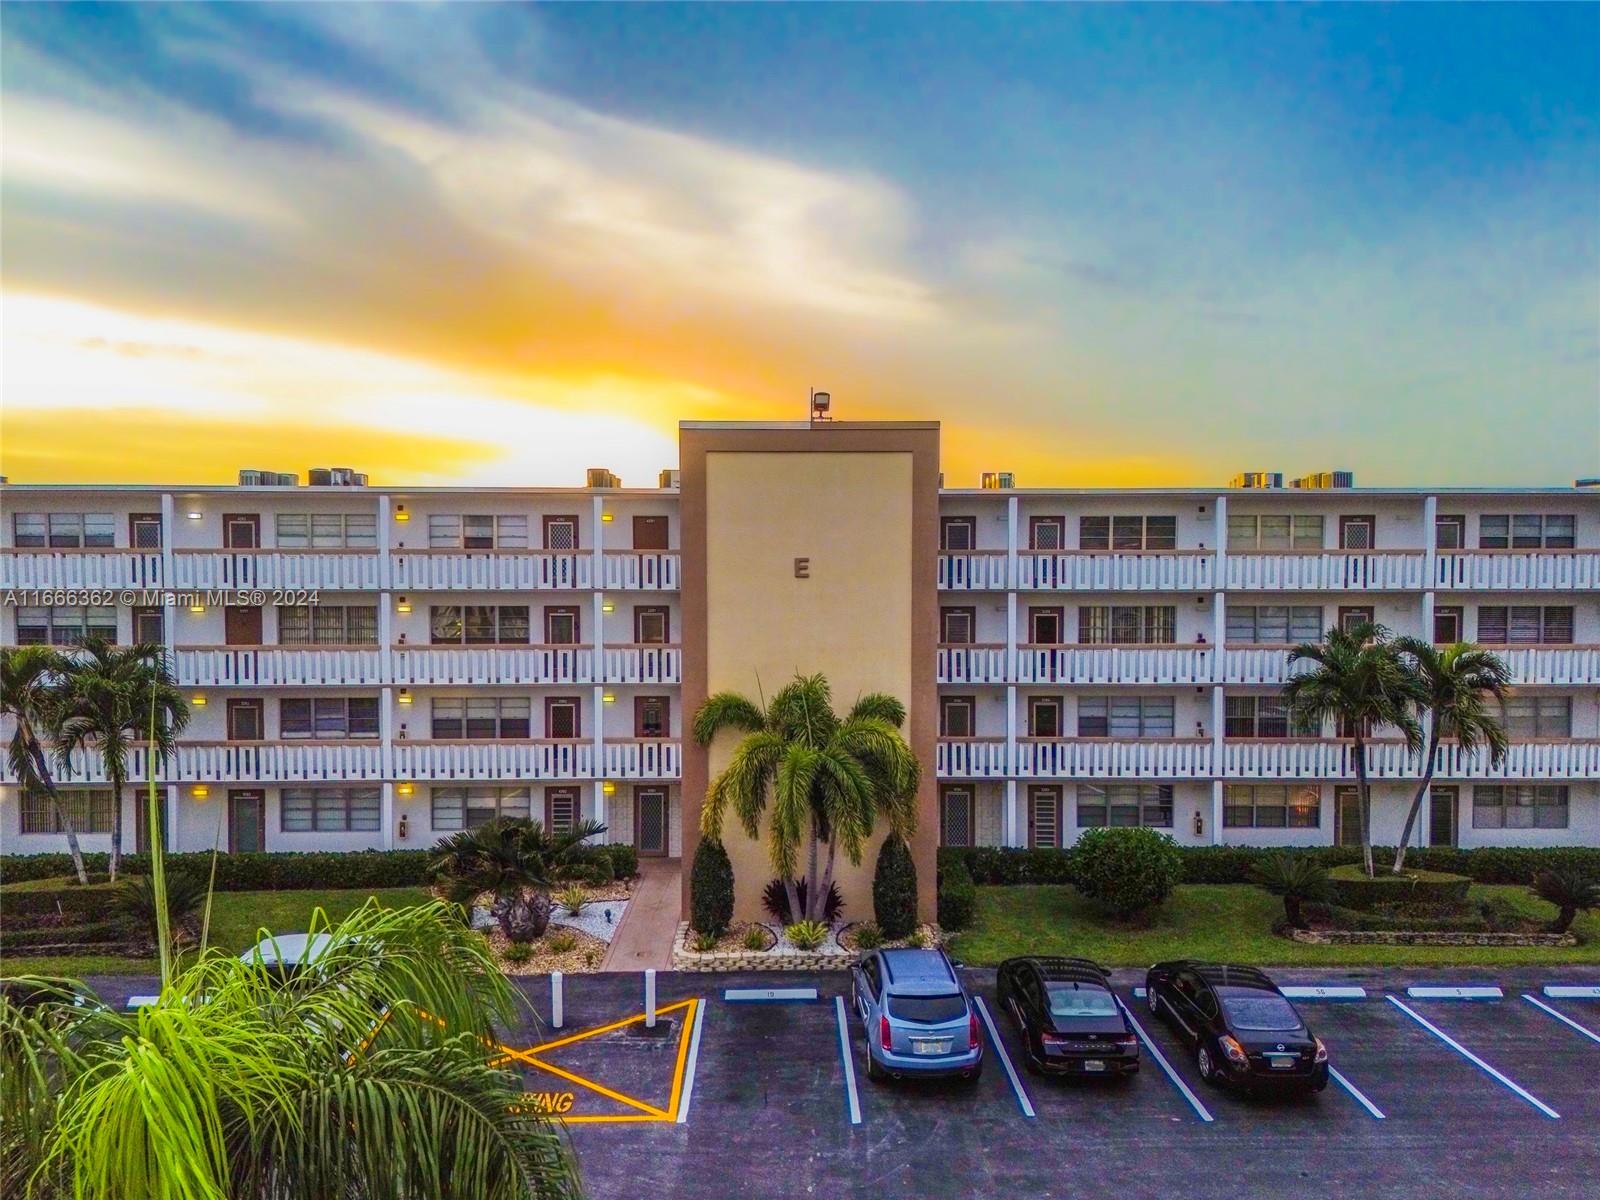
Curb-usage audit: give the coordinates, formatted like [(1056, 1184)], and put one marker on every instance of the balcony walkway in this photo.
[(650, 922)]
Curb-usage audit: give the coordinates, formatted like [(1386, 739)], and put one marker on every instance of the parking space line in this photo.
[(683, 1058), (1562, 1017), (1005, 1059), (694, 1061), (849, 1063), (1474, 1059), (1161, 1061), (1357, 1093)]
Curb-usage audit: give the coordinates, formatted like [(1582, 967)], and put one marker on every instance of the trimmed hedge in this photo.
[(710, 889), (958, 897), (894, 889), (74, 901), (1353, 889), (993, 865), (117, 932)]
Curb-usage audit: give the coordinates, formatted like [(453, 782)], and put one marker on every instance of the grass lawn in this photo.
[(235, 919), (1223, 923)]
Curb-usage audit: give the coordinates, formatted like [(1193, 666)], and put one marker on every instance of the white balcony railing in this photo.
[(970, 758), (973, 571), (348, 570), (449, 666), (643, 759), (972, 664), (242, 762), (278, 666), (32, 569), (1327, 571), (1106, 758), (1115, 664), (1517, 570), (1102, 571), (490, 570), (640, 571), (1331, 759), (438, 761), (1577, 666), (645, 664)]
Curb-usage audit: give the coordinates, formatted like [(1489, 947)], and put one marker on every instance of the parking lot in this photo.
[(728, 1098)]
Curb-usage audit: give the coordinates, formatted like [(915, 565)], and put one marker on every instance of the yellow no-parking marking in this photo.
[(646, 1112)]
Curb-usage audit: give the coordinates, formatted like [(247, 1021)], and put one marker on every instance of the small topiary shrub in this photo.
[(776, 901), (894, 888), (710, 889), (1353, 888), (868, 936), (806, 935), (1295, 878), (1126, 871), (958, 897)]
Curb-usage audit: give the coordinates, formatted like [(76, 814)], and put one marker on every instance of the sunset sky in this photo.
[(1102, 245)]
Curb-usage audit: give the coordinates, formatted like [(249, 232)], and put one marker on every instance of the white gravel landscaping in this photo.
[(599, 918)]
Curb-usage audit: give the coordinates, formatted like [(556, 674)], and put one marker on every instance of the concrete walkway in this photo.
[(650, 922)]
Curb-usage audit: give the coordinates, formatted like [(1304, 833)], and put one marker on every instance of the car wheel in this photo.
[(874, 1072), (1152, 1000), (1203, 1064), (1032, 1063), (971, 1081)]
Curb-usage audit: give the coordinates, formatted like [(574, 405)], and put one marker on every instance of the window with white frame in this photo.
[(1526, 531), (1274, 624), (478, 531), (330, 810), (1131, 624), (467, 808), (328, 625), (1262, 717), (1125, 805), (482, 718), (89, 810), (63, 531), (1125, 716), (327, 531), (1520, 806), (1533, 716), (1127, 533), (1525, 625), (1282, 531), (65, 625), (478, 624), (333, 717), (957, 817), (1271, 806)]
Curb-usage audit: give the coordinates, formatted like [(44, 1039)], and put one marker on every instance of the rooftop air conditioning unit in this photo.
[(599, 477), (995, 480), (248, 478), (1257, 479), (668, 478), (1322, 480)]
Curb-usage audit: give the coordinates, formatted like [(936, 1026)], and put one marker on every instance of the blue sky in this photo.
[(1104, 245)]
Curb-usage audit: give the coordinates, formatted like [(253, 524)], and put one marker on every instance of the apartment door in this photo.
[(651, 717), (141, 819), (650, 821), (1357, 533), (241, 625), (1447, 626), (1346, 816), (241, 531), (1044, 817), (1044, 716), (149, 625), (561, 718), (244, 721), (1046, 533), (144, 531), (1350, 617), (649, 533), (561, 809), (651, 625), (1442, 808), (1450, 533), (957, 533), (247, 821), (1045, 626)]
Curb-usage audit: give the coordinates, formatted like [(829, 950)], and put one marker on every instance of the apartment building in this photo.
[(377, 666)]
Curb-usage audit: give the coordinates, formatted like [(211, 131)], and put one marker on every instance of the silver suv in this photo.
[(916, 1015)]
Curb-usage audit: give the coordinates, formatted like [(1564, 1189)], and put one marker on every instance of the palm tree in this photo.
[(1297, 878), (1570, 890), (1456, 684), (374, 1072), (1359, 681), (520, 862), (107, 698), (30, 686), (818, 779)]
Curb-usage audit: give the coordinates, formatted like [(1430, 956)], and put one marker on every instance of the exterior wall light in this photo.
[(608, 698), (405, 789), (200, 791), (608, 788), (193, 516), (404, 606), (197, 701), (400, 514), (404, 697), (606, 606), (606, 518), (197, 608)]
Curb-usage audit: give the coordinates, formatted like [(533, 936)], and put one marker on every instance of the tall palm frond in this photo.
[(31, 683)]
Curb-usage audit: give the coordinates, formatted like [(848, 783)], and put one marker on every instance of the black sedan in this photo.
[(1071, 1023), (1242, 1029)]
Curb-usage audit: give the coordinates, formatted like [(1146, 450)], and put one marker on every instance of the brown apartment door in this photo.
[(247, 821), (1044, 716), (241, 531), (144, 531), (141, 819), (560, 809), (1045, 626), (1442, 816), (241, 625), (1351, 616), (1046, 533), (649, 533), (244, 721), (650, 821), (651, 625), (1346, 816), (1357, 533), (1044, 817)]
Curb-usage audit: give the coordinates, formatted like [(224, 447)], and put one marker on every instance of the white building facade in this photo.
[(377, 667)]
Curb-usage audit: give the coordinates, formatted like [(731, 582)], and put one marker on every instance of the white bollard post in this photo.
[(555, 999), (650, 998)]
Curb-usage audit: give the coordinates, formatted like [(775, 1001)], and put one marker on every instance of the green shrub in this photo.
[(518, 953), (624, 860), (919, 939), (572, 899), (1126, 871), (597, 871), (136, 900), (894, 888), (55, 897), (710, 889), (1569, 890), (868, 936), (806, 935), (958, 897), (775, 899), (703, 942), (561, 943), (1297, 879), (272, 872), (755, 938), (1353, 888)]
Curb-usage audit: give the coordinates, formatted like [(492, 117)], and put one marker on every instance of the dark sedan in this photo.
[(1071, 1023), (1242, 1029)]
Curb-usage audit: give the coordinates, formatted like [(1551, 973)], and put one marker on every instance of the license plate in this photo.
[(928, 1046), (1281, 1062), (1094, 1064)]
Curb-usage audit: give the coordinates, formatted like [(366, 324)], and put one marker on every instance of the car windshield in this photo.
[(927, 1010), (1264, 1012), (1080, 1000)]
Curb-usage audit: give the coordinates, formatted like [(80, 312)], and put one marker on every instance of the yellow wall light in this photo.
[(403, 606), (405, 696), (405, 789), (608, 788), (198, 701), (200, 791), (608, 698), (400, 514), (605, 518)]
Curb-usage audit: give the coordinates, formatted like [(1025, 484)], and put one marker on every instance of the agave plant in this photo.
[(1297, 878), (806, 935), (138, 899), (1570, 890)]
